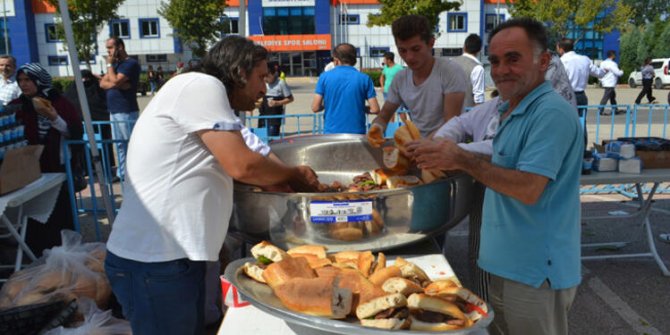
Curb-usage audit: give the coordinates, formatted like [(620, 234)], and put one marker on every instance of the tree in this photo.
[(393, 9), (88, 18), (645, 11), (560, 15), (196, 22), (662, 45), (630, 38)]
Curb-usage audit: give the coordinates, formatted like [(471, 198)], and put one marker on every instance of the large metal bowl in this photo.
[(401, 216)]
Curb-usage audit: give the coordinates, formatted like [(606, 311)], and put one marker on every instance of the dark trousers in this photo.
[(41, 236), (583, 100), (159, 298), (610, 94), (646, 90)]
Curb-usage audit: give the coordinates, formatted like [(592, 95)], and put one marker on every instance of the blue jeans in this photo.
[(122, 127), (159, 298)]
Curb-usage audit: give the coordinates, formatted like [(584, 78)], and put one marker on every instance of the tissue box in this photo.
[(604, 164), (633, 165)]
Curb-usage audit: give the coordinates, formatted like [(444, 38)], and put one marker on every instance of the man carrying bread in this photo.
[(432, 88), (186, 150), (530, 235)]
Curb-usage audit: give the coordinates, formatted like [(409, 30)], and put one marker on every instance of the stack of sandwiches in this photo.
[(357, 285)]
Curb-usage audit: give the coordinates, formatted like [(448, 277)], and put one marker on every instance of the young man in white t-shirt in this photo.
[(183, 156)]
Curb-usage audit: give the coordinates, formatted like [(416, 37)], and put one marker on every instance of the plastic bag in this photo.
[(96, 322), (67, 272)]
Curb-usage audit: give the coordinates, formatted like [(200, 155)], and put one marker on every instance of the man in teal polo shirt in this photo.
[(530, 239)]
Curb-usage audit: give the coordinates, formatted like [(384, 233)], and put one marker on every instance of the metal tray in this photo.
[(262, 297)]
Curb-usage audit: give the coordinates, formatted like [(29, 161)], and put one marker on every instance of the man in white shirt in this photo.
[(9, 90), (182, 159), (578, 68), (474, 69), (609, 81)]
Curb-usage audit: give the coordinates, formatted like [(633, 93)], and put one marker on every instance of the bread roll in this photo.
[(395, 161), (280, 272), (376, 305), (254, 271), (315, 296), (401, 285), (41, 103), (379, 277), (269, 251), (312, 249)]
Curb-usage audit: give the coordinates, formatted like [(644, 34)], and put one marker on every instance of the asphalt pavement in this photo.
[(617, 296)]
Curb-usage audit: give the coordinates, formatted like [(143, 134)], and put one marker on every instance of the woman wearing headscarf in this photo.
[(47, 126)]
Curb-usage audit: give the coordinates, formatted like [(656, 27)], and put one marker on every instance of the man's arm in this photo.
[(250, 167), (453, 104), (382, 79), (374, 105), (478, 84), (114, 80), (446, 155), (317, 103)]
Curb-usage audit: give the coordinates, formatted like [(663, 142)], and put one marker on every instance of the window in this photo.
[(231, 25), (492, 23), (157, 58), (58, 60), (119, 28), (50, 29), (90, 61), (4, 50), (149, 28), (378, 51), (350, 19), (288, 21), (457, 22), (452, 52)]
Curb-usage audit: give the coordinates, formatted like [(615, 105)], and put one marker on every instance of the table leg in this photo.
[(20, 238)]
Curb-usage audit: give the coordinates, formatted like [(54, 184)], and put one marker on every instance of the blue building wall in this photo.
[(22, 33), (255, 21), (322, 16)]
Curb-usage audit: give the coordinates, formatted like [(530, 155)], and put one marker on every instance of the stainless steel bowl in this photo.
[(401, 216)]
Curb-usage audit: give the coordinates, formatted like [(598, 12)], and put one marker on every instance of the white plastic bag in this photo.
[(96, 322)]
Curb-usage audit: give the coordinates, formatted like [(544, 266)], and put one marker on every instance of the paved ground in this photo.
[(622, 296)]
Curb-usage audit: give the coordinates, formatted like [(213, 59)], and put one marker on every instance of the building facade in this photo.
[(300, 34)]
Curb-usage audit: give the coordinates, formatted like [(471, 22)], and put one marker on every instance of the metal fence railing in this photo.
[(635, 121)]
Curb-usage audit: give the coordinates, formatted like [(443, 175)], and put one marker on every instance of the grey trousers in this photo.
[(525, 310)]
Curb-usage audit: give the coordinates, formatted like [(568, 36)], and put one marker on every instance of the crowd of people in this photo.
[(523, 147)]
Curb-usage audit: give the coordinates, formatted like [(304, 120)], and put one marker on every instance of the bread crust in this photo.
[(376, 305), (379, 277), (401, 285), (315, 296), (268, 250), (281, 272), (311, 249)]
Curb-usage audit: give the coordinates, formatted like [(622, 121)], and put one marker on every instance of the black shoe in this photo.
[(620, 112), (116, 179), (605, 113)]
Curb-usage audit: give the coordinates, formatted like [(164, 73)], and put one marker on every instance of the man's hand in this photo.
[(436, 154), (376, 135), (304, 179)]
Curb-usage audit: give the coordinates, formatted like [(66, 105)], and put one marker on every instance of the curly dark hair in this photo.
[(408, 26), (231, 60)]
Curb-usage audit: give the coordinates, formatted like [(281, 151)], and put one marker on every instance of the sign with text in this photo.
[(278, 43), (288, 3)]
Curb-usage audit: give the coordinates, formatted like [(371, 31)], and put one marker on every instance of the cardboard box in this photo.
[(20, 168), (657, 159)]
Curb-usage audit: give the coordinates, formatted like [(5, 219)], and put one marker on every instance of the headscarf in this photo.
[(39, 76)]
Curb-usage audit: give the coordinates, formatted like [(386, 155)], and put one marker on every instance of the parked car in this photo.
[(662, 70)]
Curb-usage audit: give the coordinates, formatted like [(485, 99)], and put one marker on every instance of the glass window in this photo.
[(231, 25), (457, 22), (58, 60), (50, 29), (452, 52), (289, 21), (307, 11), (296, 11), (282, 11), (2, 39), (378, 51), (120, 28), (149, 28), (492, 21), (269, 11), (157, 58), (350, 19)]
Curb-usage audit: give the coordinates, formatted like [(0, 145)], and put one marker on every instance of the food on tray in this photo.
[(289, 268), (41, 103), (386, 312), (356, 283), (407, 133), (265, 254), (395, 161), (401, 285), (402, 181), (315, 296), (432, 313)]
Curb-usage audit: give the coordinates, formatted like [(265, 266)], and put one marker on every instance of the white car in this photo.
[(662, 70)]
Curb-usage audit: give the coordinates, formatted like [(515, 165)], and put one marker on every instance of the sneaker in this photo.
[(652, 102), (664, 237)]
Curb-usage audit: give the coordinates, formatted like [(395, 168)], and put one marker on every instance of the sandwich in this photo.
[(291, 267), (379, 176), (435, 314), (428, 176), (400, 285), (41, 103), (314, 254), (379, 277), (346, 233), (412, 272), (407, 133), (363, 290), (265, 254), (402, 181), (315, 296), (441, 286), (386, 312), (394, 161), (473, 306)]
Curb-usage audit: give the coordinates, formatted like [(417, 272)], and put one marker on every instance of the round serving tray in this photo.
[(262, 297)]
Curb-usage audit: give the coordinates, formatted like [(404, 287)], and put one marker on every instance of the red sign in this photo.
[(277, 43)]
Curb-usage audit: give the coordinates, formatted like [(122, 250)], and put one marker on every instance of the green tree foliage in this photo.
[(645, 11), (88, 18), (560, 15), (662, 45), (629, 41), (196, 22), (393, 9)]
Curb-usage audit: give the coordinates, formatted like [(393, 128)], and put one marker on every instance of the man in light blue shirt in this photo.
[(530, 240)]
